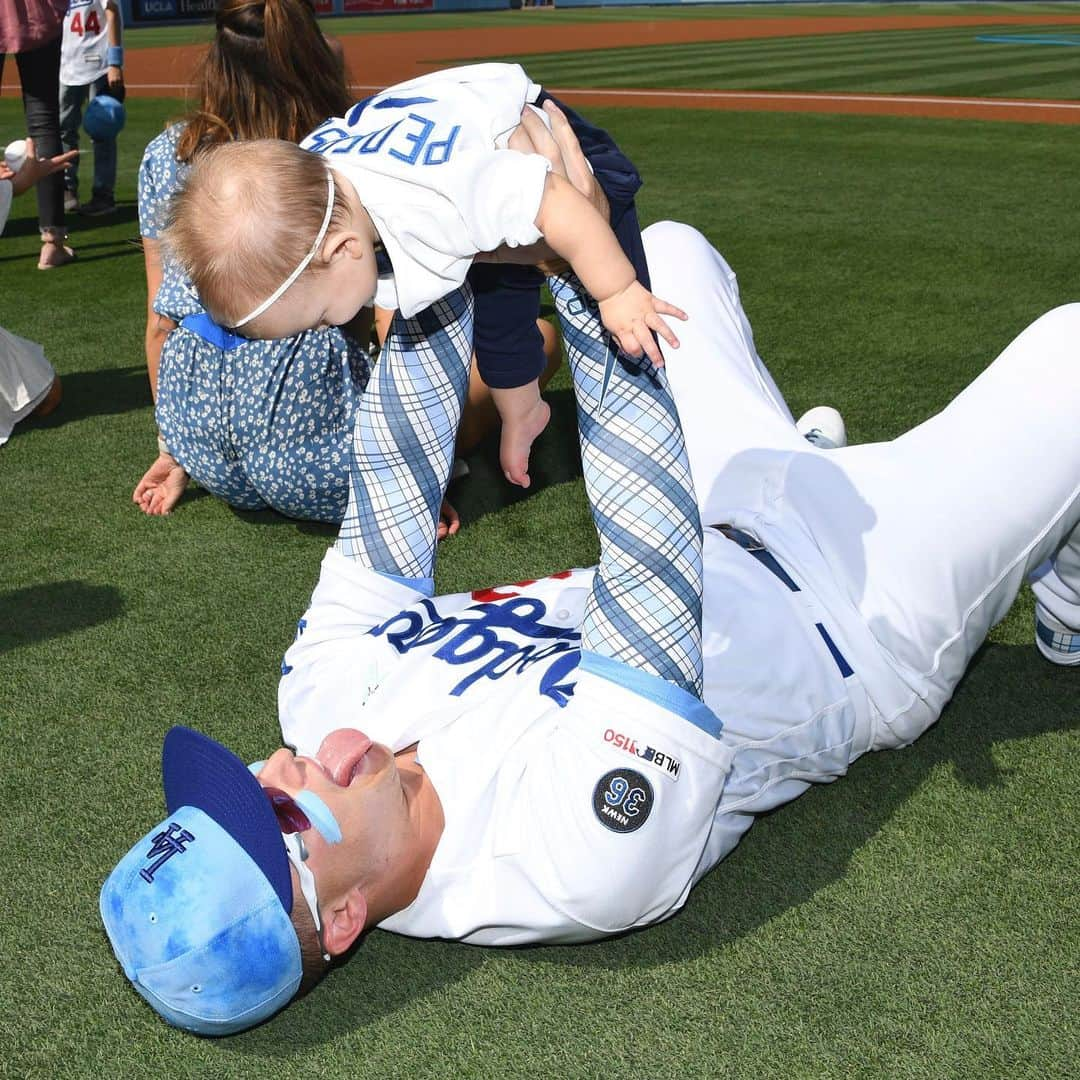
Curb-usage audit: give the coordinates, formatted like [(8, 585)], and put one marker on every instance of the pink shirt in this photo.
[(29, 24)]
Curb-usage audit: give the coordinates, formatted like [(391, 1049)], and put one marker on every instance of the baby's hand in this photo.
[(632, 313)]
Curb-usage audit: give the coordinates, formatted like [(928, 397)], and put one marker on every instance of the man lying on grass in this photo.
[(561, 760)]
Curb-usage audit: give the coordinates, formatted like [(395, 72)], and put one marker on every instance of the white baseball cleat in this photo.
[(822, 426), (1055, 640)]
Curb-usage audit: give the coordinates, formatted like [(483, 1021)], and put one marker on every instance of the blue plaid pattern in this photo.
[(1059, 641), (645, 606), (403, 444)]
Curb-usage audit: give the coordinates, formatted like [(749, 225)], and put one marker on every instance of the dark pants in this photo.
[(509, 348), (71, 108), (39, 73)]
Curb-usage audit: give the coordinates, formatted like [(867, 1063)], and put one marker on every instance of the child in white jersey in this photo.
[(91, 63), (432, 172)]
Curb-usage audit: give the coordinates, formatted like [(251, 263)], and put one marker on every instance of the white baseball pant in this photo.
[(917, 546)]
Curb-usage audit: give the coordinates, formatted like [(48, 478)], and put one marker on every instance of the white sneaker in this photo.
[(822, 426), (71, 202), (1055, 640)]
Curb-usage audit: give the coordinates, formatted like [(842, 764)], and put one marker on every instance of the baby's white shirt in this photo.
[(429, 160)]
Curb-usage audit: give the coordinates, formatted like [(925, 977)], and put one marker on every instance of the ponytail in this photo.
[(268, 74)]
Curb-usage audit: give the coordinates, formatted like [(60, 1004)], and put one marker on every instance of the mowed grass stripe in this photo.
[(1030, 81), (754, 53), (927, 64), (703, 60), (973, 72), (971, 76), (838, 47)]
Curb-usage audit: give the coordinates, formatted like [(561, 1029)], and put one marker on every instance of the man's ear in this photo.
[(344, 923)]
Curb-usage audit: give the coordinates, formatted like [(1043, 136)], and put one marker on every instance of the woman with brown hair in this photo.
[(262, 424)]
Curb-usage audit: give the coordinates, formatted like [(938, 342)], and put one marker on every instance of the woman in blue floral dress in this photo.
[(261, 424)]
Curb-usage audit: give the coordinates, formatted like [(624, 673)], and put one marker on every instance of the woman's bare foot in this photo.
[(517, 438), (54, 253), (449, 521), (161, 486)]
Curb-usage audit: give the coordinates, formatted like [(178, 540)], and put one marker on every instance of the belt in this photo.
[(753, 546)]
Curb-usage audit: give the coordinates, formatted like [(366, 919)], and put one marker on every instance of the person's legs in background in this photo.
[(39, 73), (71, 101), (102, 199)]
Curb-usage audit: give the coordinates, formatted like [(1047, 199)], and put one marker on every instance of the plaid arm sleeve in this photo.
[(403, 441), (645, 607)]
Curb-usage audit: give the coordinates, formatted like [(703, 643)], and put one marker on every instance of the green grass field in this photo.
[(917, 919), (944, 62)]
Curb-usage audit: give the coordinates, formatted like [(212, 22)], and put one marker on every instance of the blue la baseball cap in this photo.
[(198, 910)]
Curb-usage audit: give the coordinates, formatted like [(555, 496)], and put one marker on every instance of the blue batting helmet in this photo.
[(104, 117)]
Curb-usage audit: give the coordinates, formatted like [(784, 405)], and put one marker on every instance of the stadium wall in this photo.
[(157, 12)]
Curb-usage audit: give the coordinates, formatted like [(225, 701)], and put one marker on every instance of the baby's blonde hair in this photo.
[(246, 217)]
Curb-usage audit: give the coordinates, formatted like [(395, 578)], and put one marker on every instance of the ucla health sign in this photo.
[(160, 10)]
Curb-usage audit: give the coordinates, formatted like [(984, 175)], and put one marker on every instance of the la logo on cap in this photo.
[(165, 845)]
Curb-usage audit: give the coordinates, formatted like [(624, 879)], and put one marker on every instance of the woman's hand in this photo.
[(35, 168), (161, 486)]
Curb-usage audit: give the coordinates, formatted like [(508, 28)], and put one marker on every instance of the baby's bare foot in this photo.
[(518, 436)]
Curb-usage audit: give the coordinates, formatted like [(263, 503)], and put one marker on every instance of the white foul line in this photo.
[(753, 95), (779, 95)]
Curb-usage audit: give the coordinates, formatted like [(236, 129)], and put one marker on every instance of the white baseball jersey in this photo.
[(7, 192), (85, 44), (25, 379), (25, 374), (428, 160), (575, 805)]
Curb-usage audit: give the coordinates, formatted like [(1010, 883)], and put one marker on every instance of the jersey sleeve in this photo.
[(615, 808), (334, 664), (498, 195)]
